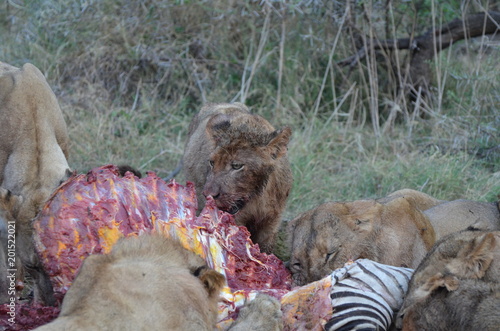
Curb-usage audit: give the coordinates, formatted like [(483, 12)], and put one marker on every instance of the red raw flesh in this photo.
[(85, 204)]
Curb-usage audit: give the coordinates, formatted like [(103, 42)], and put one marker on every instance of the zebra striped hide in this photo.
[(366, 294)]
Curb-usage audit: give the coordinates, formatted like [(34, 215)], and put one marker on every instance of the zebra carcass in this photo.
[(366, 295)]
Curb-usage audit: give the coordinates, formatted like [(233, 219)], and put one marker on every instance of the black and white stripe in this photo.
[(366, 294)]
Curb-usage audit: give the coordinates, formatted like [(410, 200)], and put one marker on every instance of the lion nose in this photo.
[(214, 196), (214, 193), (294, 265)]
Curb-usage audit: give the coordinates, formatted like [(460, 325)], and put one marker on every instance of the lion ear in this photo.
[(475, 258), (212, 280), (402, 208), (6, 84), (435, 282), (217, 128), (360, 216), (362, 225), (277, 146)]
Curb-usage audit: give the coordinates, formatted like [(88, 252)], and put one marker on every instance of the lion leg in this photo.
[(265, 234), (42, 286)]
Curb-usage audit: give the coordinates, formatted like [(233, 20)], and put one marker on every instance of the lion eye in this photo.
[(211, 163), (329, 256), (236, 166), (358, 221)]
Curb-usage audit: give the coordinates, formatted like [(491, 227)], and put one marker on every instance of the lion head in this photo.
[(146, 282), (326, 237), (243, 159), (457, 268)]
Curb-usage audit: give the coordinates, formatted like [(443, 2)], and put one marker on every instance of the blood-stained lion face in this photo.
[(240, 160), (238, 173)]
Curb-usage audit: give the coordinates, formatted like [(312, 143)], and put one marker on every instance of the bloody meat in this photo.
[(90, 212)]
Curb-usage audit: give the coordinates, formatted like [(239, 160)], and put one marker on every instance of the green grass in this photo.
[(129, 75), (355, 166)]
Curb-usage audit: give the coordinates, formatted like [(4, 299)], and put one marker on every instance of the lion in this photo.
[(456, 305), (148, 282), (457, 215), (151, 282), (240, 160), (456, 285), (33, 153), (390, 230)]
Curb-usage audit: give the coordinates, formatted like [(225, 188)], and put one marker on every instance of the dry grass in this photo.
[(130, 74)]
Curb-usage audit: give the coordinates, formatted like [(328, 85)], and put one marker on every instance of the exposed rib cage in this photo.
[(366, 294)]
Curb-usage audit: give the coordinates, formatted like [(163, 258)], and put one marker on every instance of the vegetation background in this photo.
[(129, 76)]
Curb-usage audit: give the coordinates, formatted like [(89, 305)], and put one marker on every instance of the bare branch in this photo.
[(424, 47)]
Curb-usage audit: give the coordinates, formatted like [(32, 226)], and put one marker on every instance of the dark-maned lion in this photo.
[(390, 231), (456, 287), (240, 160), (33, 154), (145, 283)]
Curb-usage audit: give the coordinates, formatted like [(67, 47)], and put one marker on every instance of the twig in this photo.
[(198, 83), (336, 110), (136, 98), (153, 158), (262, 42), (327, 70), (282, 59)]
